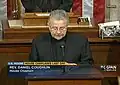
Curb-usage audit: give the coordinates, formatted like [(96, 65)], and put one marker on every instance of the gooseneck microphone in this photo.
[(62, 46), (63, 51)]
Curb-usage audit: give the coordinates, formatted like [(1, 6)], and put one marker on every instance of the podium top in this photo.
[(79, 72)]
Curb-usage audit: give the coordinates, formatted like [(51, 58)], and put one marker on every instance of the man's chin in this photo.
[(58, 38)]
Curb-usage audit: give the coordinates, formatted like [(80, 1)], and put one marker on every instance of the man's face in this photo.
[(58, 28)]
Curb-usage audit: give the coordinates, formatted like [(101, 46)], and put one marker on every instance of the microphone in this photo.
[(63, 51), (62, 45)]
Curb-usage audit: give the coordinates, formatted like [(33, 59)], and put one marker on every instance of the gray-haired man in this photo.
[(58, 44)]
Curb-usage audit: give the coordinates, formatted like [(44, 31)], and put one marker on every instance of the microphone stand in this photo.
[(63, 55)]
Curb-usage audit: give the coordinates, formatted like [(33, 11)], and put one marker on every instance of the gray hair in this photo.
[(59, 15)]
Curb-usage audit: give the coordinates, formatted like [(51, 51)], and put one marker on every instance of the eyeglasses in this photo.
[(60, 28)]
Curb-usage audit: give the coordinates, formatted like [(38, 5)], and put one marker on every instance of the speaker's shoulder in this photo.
[(43, 37), (77, 37)]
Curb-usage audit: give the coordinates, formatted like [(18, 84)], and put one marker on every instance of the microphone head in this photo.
[(62, 44)]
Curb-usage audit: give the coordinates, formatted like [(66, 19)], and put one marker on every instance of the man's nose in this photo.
[(58, 31)]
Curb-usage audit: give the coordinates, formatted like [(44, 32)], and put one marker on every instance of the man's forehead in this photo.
[(54, 21)]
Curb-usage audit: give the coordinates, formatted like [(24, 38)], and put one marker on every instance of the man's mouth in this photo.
[(58, 35)]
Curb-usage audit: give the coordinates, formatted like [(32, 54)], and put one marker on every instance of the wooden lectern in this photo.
[(65, 82), (90, 77)]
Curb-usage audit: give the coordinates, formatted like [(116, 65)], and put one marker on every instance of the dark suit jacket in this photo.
[(42, 6), (77, 49)]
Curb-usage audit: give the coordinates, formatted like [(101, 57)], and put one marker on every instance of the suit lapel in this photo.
[(47, 48), (68, 46)]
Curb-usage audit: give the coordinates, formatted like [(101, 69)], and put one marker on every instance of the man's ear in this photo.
[(47, 23)]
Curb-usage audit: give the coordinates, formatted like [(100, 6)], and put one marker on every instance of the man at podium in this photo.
[(46, 5), (59, 45)]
